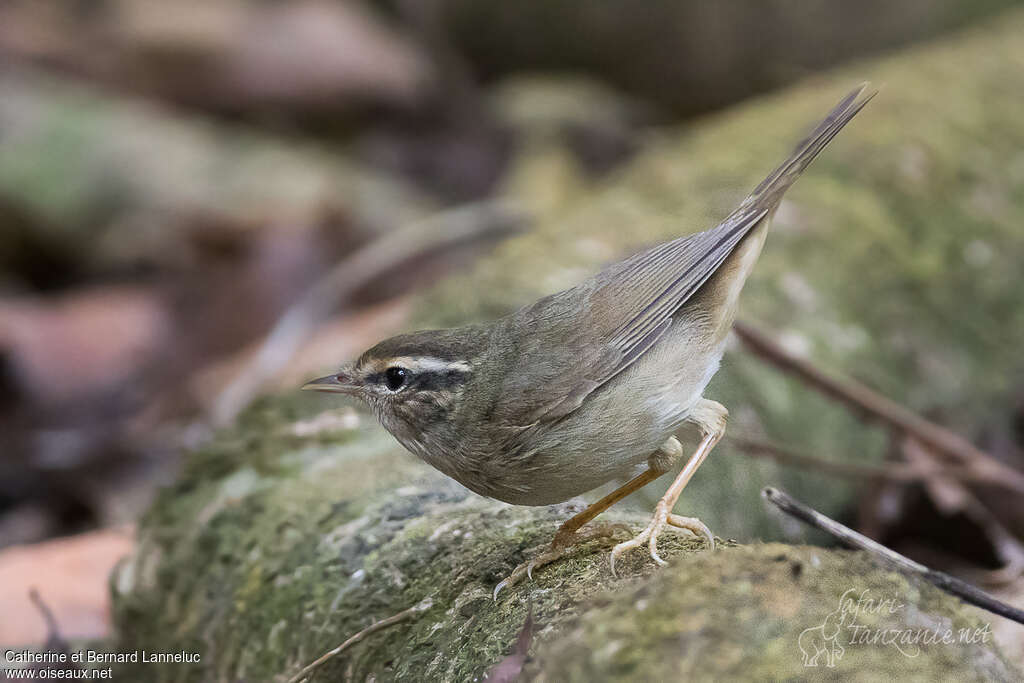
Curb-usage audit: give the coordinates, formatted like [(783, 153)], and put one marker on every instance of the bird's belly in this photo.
[(611, 440), (559, 475)]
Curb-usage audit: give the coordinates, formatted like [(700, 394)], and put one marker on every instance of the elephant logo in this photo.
[(821, 642)]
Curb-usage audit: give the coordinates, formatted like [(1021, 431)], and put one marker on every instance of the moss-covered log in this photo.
[(296, 529)]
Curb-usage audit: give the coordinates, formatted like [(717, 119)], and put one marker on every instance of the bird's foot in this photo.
[(560, 546), (663, 518)]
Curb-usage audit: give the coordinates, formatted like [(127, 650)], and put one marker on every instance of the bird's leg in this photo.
[(569, 535), (710, 417), (657, 465)]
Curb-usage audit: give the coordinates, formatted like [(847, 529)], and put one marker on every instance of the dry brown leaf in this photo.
[(71, 575), (82, 343)]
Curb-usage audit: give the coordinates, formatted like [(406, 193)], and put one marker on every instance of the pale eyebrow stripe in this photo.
[(425, 364)]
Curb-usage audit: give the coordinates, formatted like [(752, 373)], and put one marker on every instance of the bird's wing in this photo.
[(650, 287)]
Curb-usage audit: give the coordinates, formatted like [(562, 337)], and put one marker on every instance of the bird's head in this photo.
[(415, 382)]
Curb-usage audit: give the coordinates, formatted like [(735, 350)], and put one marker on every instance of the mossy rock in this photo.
[(297, 529), (121, 183)]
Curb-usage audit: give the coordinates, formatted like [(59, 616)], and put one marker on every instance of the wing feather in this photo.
[(657, 282)]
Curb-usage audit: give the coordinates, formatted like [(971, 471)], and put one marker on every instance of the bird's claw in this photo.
[(634, 542), (501, 586), (695, 527), (662, 518), (559, 547), (526, 569)]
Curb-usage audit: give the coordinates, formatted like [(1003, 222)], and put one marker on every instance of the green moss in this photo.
[(739, 614)]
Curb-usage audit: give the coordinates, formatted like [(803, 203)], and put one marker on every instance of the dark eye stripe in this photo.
[(433, 380), (440, 380)]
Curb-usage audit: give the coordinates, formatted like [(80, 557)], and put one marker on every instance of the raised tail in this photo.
[(653, 285), (769, 193)]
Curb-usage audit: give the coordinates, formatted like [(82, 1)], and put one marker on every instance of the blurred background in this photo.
[(205, 201)]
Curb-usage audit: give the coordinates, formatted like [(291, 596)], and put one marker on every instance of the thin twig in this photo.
[(44, 609), (891, 471), (421, 606), (926, 472), (950, 584), (446, 230), (866, 400)]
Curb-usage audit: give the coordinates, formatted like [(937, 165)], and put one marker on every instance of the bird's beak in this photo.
[(339, 383)]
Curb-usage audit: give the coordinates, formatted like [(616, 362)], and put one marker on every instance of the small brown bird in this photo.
[(583, 386)]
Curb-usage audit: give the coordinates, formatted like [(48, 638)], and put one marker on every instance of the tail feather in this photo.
[(769, 192), (657, 282)]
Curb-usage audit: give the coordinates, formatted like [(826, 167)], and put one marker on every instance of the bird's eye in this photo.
[(395, 377)]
